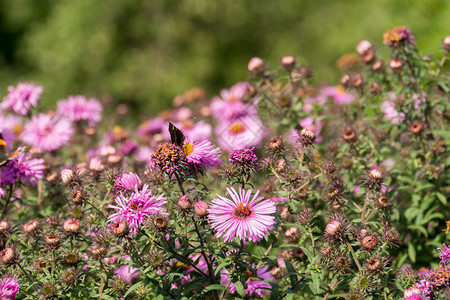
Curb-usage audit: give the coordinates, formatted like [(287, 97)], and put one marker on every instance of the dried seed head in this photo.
[(52, 177), (342, 263), (48, 291), (349, 135), (355, 295), (42, 265), (71, 258), (329, 167), (201, 208), (307, 137), (70, 276), (276, 145), (298, 254), (71, 227), (326, 252), (120, 229), (32, 229), (52, 220), (102, 237), (416, 128), (305, 217), (391, 237), (77, 196), (277, 272), (159, 222), (156, 258), (383, 203), (375, 264), (9, 256), (292, 234), (369, 242), (98, 252), (53, 241), (120, 285)]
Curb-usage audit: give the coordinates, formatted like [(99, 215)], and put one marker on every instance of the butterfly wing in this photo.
[(176, 135)]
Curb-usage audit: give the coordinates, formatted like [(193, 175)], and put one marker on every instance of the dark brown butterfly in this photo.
[(176, 135), (4, 158)]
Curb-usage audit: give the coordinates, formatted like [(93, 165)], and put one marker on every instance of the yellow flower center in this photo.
[(188, 149), (242, 211), (237, 127)]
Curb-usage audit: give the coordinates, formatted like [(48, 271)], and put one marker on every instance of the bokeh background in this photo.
[(144, 52)]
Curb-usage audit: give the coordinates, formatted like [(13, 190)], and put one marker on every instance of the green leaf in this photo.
[(239, 288), (315, 285), (412, 252), (218, 287), (442, 198), (291, 270), (132, 288)]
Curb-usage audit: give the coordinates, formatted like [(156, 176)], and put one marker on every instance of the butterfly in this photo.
[(4, 158), (176, 135)]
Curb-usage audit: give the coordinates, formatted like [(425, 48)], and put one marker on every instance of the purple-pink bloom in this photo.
[(22, 98), (47, 133), (127, 181), (127, 147), (390, 113), (8, 288), (136, 208), (79, 108), (22, 167), (413, 293), (338, 94), (202, 154), (241, 133), (127, 273), (151, 126), (241, 216), (230, 105), (424, 287), (244, 157), (257, 287), (444, 254)]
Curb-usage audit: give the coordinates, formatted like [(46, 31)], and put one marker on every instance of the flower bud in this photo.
[(288, 62), (98, 252), (201, 208), (395, 65), (71, 227), (77, 197), (256, 65), (184, 203), (52, 177), (32, 228), (307, 137), (349, 135), (306, 71), (96, 165), (276, 145), (159, 223), (333, 227), (8, 256), (90, 131), (114, 158), (446, 43), (375, 177), (363, 47), (378, 66), (67, 176), (5, 228), (277, 272), (374, 88)]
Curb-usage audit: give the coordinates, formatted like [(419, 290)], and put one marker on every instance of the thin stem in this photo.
[(297, 283), (302, 155), (333, 285), (353, 255), (180, 183), (28, 276), (441, 63), (312, 240), (366, 199), (308, 181), (5, 208)]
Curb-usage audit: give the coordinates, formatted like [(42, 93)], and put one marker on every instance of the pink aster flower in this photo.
[(241, 216), (230, 105), (136, 208), (8, 288), (338, 94), (444, 254), (151, 126), (22, 98), (391, 113), (22, 167), (78, 108), (241, 133), (202, 154), (257, 287), (127, 181), (127, 273), (47, 133)]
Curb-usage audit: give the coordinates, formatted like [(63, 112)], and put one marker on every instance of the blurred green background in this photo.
[(144, 52)]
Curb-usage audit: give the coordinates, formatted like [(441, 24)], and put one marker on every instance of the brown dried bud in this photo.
[(53, 241), (52, 177), (375, 265), (184, 203), (292, 234), (378, 66), (383, 203), (120, 229), (256, 65), (416, 128), (374, 88), (5, 228), (159, 223), (277, 272), (98, 252), (349, 135), (346, 80), (77, 197), (276, 145), (375, 177), (369, 242)]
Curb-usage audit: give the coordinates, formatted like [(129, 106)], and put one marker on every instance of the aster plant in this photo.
[(278, 188)]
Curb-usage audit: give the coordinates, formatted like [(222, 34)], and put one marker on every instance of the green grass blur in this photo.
[(145, 52)]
